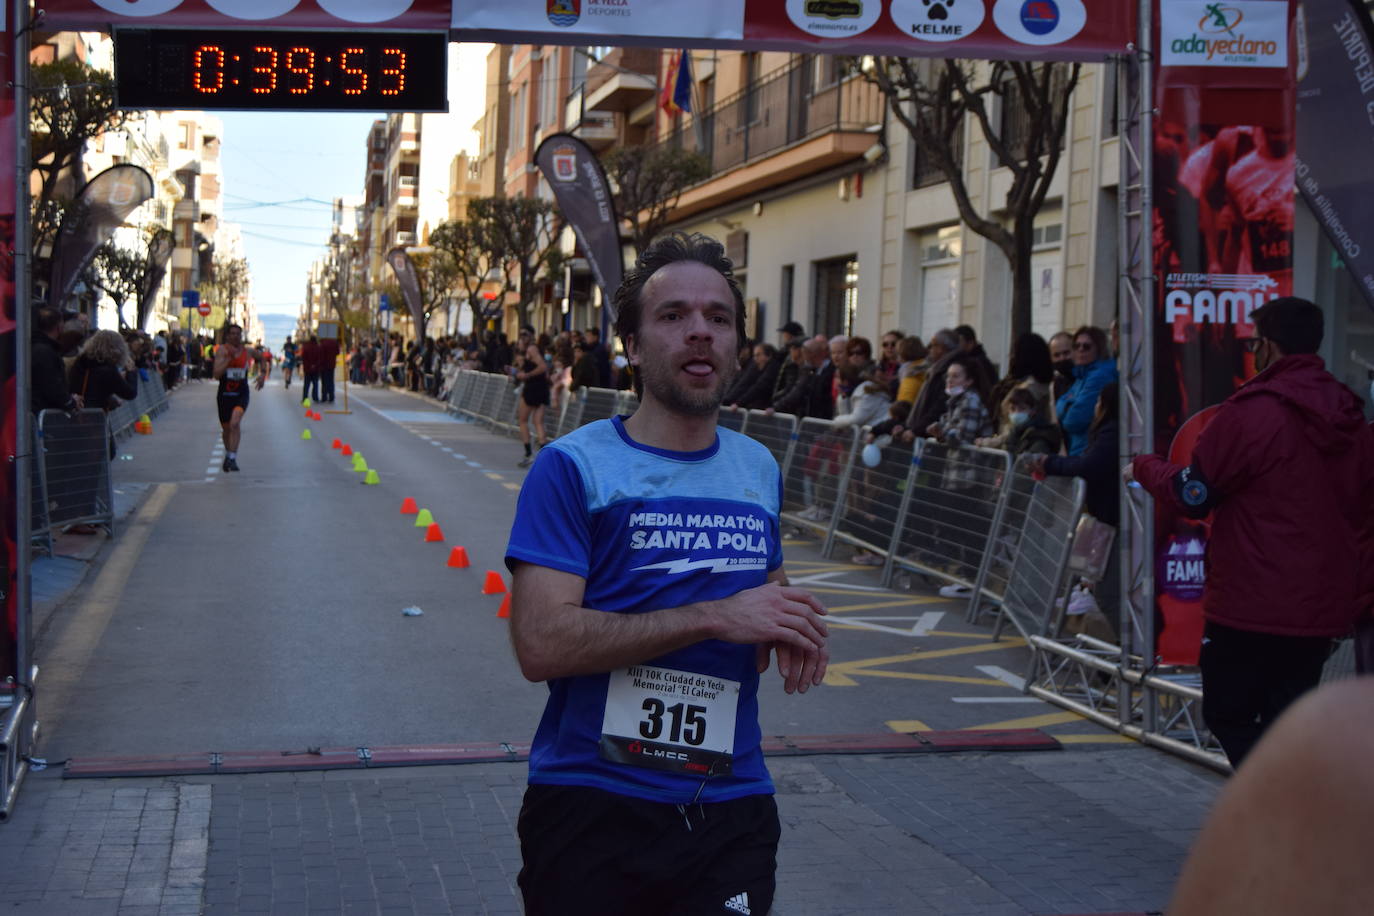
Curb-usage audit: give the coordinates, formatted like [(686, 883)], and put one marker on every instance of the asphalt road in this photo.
[(263, 609)]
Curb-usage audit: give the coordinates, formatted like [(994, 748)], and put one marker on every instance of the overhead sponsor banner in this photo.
[(400, 262), (1224, 33), (1336, 131), (1041, 29), (1224, 163), (103, 205), (613, 19), (308, 14), (584, 198)]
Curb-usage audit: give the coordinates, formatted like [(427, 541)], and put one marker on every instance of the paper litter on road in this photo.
[(411, 611)]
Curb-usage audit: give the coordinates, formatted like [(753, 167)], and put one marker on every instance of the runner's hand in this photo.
[(800, 670), (771, 613)]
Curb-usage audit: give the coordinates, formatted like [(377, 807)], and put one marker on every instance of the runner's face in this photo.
[(685, 347), (235, 337)]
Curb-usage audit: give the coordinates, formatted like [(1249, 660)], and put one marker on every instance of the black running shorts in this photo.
[(592, 852), (227, 403)]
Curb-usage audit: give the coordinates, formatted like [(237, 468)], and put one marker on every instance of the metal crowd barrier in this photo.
[(599, 404), (572, 413), (951, 502), (732, 419), (815, 478), (1043, 539), (873, 500), (151, 398), (76, 467), (40, 529), (776, 431)]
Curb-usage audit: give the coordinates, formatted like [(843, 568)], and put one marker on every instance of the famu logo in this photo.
[(1217, 34)]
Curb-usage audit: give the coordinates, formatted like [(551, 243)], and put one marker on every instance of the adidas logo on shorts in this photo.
[(739, 903)]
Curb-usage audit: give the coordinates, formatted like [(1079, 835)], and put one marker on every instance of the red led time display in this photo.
[(293, 71)]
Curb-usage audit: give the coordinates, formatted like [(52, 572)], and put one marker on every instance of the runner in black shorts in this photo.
[(232, 360), (649, 591), (534, 397)]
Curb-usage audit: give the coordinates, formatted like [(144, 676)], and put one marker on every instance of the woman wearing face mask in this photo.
[(965, 419), (1028, 367), (1032, 433), (1093, 367)]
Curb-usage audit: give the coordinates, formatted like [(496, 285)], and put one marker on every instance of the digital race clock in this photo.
[(264, 70)]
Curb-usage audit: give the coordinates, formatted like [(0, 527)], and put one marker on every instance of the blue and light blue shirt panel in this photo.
[(650, 529)]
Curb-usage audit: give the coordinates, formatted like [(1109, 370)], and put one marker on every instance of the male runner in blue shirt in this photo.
[(649, 592)]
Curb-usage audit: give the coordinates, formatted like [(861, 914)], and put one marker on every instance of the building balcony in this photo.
[(622, 80), (407, 238), (598, 129), (780, 130)]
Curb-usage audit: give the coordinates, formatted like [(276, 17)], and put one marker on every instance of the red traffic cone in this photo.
[(408, 506), (347, 450), (494, 584), (337, 444), (432, 533), (310, 414), (504, 611), (458, 558)]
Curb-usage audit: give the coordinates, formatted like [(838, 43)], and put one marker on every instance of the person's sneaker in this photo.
[(526, 461), (224, 466), (230, 464), (955, 591), (868, 559)]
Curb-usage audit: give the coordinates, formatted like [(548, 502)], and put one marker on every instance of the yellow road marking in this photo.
[(909, 725), (1049, 718), (841, 674), (511, 486), (1093, 739), (493, 475)]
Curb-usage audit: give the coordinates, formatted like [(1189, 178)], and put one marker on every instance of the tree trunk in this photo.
[(1020, 258)]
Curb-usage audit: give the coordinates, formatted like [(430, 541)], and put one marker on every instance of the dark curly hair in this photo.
[(662, 251)]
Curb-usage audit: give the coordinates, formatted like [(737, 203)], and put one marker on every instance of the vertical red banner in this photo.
[(1223, 168), (11, 411)]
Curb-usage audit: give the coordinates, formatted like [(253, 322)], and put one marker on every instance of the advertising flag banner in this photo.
[(278, 14), (1238, 33), (1336, 81), (102, 207), (159, 253), (400, 262), (1224, 167), (584, 198)]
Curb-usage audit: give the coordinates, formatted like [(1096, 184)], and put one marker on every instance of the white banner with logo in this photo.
[(721, 20), (1209, 33)]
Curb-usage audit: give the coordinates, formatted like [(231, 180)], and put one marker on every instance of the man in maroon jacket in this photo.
[(310, 365), (1285, 468)]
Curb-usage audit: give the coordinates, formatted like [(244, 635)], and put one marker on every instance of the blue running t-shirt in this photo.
[(650, 529)]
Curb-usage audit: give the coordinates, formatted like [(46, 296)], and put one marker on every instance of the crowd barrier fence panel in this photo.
[(505, 416), (76, 460), (599, 404), (953, 495), (1002, 545), (1035, 577), (775, 431), (873, 500), (814, 481), (627, 403), (572, 414), (732, 419), (553, 416), (40, 529), (459, 397), (487, 399)]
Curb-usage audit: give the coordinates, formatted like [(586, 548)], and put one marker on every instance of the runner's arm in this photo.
[(264, 368), (556, 636), (221, 361)]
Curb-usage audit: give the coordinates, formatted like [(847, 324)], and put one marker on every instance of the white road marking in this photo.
[(923, 625), (823, 578), (1003, 675)]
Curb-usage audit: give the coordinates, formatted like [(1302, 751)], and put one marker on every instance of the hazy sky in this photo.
[(282, 170)]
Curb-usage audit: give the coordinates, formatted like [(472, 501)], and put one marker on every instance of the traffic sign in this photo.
[(385, 304), (203, 308), (190, 298)]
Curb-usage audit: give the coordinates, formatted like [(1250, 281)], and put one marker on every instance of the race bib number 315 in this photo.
[(670, 720)]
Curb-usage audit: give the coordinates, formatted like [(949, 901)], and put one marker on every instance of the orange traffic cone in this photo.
[(458, 558), (432, 533), (494, 585), (504, 611), (347, 450), (310, 414), (337, 444), (408, 506), (318, 415)]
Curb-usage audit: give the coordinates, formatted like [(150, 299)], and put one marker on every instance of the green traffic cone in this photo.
[(305, 402), (372, 477), (424, 519), (305, 434)]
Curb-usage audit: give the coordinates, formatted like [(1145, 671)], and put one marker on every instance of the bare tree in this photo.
[(71, 103), (435, 271), (521, 234), (931, 99), (121, 273), (647, 183), (464, 243), (226, 284)]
